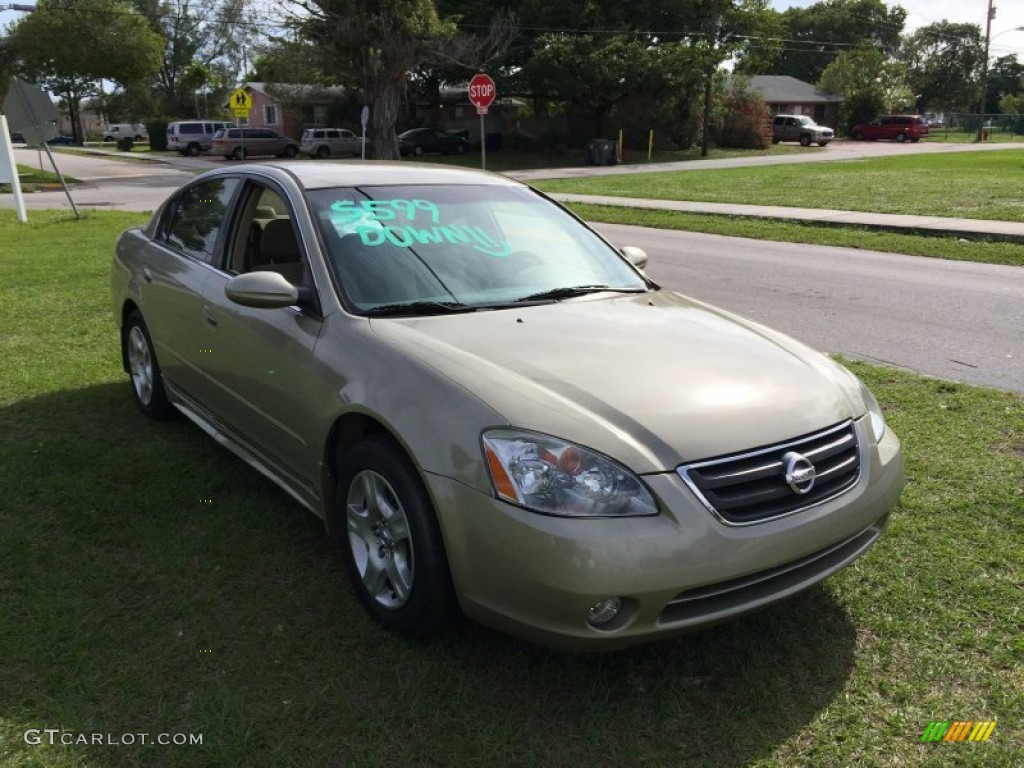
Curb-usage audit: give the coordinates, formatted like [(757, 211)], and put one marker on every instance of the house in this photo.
[(787, 95), (289, 108)]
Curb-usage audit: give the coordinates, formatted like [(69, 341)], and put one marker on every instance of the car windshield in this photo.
[(464, 246), (806, 121)]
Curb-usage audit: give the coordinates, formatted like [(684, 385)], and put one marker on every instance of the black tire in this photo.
[(138, 138), (291, 150), (901, 137), (460, 149), (238, 154), (193, 150), (417, 150), (404, 584), (805, 139), (915, 139), (858, 136), (323, 153), (822, 143), (144, 370)]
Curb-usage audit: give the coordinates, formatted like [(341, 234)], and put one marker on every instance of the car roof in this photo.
[(314, 175)]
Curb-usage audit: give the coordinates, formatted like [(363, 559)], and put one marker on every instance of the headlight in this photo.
[(874, 412), (553, 477)]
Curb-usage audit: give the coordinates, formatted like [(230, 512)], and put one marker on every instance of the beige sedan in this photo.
[(497, 412)]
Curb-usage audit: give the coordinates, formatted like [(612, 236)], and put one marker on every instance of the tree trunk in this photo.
[(75, 116), (386, 104)]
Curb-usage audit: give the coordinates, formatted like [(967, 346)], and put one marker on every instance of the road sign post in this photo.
[(241, 105), (481, 95), (364, 118)]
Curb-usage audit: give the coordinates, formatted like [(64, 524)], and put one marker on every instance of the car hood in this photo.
[(653, 380)]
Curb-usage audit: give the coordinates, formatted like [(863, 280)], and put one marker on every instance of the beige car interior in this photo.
[(271, 243)]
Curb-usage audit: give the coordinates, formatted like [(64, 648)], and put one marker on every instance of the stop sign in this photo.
[(482, 91)]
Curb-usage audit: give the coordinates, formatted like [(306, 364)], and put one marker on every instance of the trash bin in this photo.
[(125, 143), (602, 152)]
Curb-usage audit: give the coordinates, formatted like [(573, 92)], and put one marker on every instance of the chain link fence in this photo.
[(994, 127)]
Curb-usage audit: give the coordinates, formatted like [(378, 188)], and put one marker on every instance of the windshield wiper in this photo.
[(419, 308), (575, 290)]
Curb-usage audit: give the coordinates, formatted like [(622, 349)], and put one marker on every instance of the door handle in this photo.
[(147, 275), (208, 314)]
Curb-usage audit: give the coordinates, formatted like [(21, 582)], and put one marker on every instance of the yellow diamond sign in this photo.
[(240, 102)]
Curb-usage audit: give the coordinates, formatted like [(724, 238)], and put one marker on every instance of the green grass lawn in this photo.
[(976, 185), (844, 236), (32, 179), (151, 582)]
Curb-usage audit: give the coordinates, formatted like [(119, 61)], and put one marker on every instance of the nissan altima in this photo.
[(492, 408)]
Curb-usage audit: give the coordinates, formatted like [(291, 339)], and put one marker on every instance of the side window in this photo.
[(198, 218), (780, 121), (266, 240), (792, 121)]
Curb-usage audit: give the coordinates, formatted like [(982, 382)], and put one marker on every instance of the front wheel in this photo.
[(858, 136), (323, 153), (193, 150), (805, 140), (901, 137), (460, 149), (418, 151), (147, 381), (395, 554)]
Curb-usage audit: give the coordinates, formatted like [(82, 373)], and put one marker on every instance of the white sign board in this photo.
[(9, 169)]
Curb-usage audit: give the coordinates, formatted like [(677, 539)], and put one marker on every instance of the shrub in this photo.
[(157, 130)]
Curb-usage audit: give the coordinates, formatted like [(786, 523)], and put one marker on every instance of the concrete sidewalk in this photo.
[(966, 228)]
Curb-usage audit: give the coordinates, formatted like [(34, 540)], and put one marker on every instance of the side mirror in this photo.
[(635, 256), (265, 290)]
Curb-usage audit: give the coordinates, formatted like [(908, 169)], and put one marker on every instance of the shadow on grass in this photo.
[(153, 583)]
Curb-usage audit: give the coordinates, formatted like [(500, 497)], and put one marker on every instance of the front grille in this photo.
[(752, 487)]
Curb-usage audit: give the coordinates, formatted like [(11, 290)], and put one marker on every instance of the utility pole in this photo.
[(984, 71), (710, 76)]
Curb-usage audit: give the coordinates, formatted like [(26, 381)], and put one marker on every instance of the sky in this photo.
[(921, 13)]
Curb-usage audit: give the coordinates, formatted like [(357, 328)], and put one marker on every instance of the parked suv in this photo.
[(239, 143), (800, 128), (324, 142), (190, 137), (134, 131), (894, 127)]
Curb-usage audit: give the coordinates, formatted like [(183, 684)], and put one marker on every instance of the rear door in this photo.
[(174, 271)]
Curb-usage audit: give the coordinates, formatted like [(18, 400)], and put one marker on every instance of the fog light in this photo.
[(604, 611)]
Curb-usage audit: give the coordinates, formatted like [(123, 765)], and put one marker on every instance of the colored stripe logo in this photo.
[(959, 730)]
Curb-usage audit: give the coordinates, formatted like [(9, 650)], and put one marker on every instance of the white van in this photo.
[(190, 137), (115, 131)]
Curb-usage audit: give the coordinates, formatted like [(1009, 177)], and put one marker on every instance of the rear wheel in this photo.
[(291, 151), (143, 368), (915, 139), (417, 150), (193, 150), (393, 545), (238, 154), (858, 136), (460, 148)]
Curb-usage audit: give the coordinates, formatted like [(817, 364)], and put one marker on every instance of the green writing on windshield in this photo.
[(407, 237), (407, 224)]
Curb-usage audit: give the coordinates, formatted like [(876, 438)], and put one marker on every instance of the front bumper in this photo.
[(536, 576)]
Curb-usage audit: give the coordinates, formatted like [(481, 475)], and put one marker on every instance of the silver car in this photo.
[(496, 412), (800, 128), (330, 142)]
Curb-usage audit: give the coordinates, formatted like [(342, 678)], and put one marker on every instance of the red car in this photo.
[(893, 127)]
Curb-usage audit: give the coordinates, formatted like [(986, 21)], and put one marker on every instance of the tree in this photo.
[(943, 62), (378, 43), (815, 35), (869, 82), (68, 46), (200, 37), (1005, 78)]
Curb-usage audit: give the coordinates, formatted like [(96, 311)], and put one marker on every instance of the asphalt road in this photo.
[(955, 320)]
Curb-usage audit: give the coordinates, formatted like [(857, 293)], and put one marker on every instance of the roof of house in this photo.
[(296, 91), (783, 89)]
